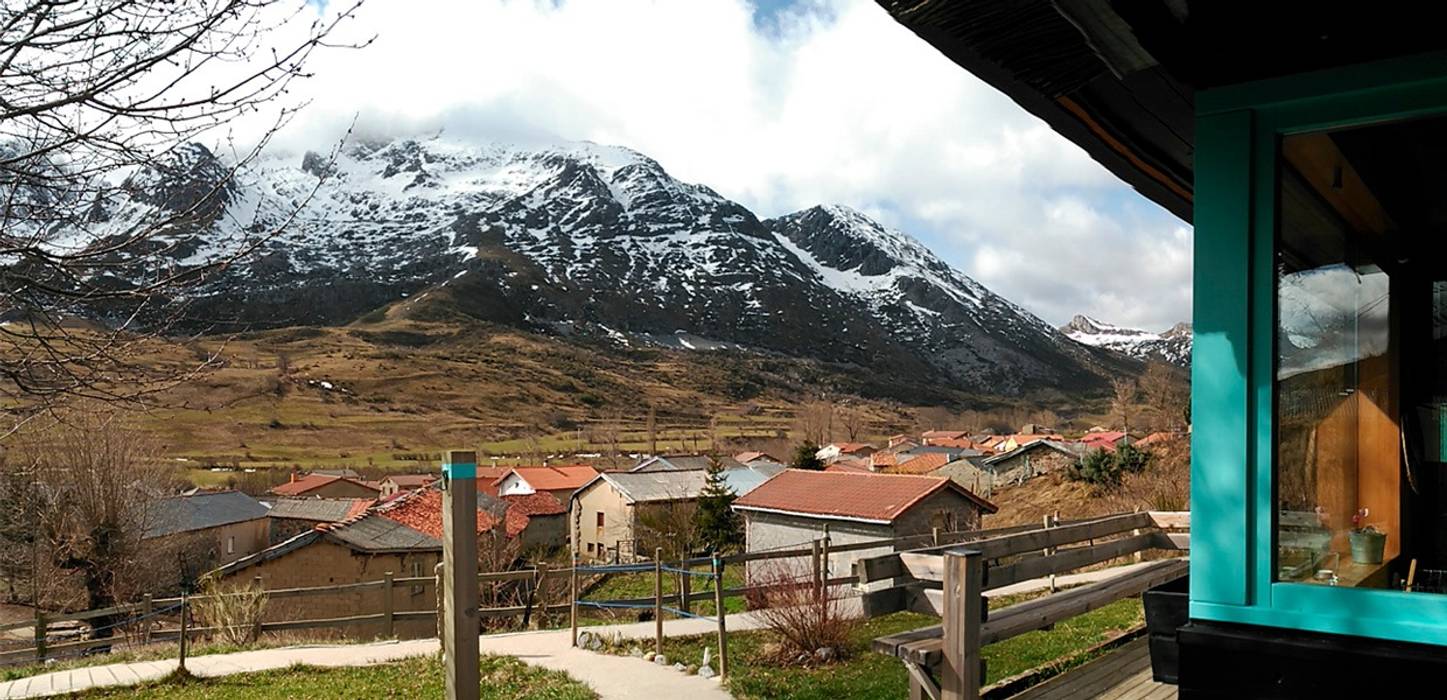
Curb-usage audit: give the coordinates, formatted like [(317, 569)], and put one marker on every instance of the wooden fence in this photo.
[(142, 621), (944, 661)]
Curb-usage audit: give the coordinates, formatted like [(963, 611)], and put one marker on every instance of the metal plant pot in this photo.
[(1367, 546)]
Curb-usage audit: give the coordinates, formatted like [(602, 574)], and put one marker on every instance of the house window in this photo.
[(590, 547), (1361, 304), (599, 518)]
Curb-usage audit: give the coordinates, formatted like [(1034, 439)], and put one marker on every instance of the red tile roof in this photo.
[(876, 497), (879, 460), (422, 511), (555, 478), (750, 456), (847, 467), (310, 482), (943, 434), (849, 448), (412, 481), (540, 503), (959, 443), (922, 464)]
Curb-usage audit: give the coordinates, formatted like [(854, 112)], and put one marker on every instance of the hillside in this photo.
[(388, 393), (1172, 346)]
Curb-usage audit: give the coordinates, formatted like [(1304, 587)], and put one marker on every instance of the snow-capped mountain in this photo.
[(1172, 345), (593, 242)]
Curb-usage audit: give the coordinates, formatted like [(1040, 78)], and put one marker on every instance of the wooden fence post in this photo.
[(437, 584), (658, 600), (935, 536), (817, 578), (459, 557), (40, 635), (537, 597), (1048, 551), (685, 587), (1139, 555), (721, 612), (963, 613), (389, 622), (185, 615), (573, 599), (824, 562), (147, 607)]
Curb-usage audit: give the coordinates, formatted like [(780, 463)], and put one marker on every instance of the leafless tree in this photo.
[(96, 486), (672, 525), (1123, 399), (103, 101), (814, 422), (854, 421), (1167, 393)]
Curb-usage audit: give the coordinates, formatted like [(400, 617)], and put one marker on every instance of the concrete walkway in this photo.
[(611, 676)]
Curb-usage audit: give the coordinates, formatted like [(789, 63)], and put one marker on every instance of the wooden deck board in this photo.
[(1124, 674)]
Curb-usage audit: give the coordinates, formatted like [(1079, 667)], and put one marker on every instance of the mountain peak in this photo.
[(1173, 345)]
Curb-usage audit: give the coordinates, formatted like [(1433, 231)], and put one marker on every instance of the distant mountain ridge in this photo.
[(593, 242), (1172, 345)]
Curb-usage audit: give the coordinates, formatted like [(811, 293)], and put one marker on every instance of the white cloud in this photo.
[(832, 102)]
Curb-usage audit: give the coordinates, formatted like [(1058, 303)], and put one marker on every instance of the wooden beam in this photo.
[(1171, 519), (1067, 560), (891, 566), (921, 685)]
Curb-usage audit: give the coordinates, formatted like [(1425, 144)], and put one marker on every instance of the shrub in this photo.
[(804, 618), (1105, 469), (235, 610)]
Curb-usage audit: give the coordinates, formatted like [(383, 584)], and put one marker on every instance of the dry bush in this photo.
[(804, 618), (235, 610)]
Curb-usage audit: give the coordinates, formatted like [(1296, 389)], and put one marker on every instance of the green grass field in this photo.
[(625, 586), (503, 678)]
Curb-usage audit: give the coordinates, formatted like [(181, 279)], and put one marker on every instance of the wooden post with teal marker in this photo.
[(459, 575)]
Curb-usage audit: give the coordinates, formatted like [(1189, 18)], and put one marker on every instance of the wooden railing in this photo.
[(141, 620), (944, 661)]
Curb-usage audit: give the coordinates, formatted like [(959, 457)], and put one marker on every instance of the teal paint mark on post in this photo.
[(460, 470)]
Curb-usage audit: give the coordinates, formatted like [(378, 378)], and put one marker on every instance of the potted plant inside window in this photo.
[(1368, 543)]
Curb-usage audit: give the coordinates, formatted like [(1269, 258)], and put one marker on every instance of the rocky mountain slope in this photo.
[(588, 241), (1172, 345)]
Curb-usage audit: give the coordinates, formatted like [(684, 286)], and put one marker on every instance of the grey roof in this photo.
[(374, 533), (683, 463), (322, 510), (1073, 449), (176, 514), (644, 487), (750, 476), (953, 452)]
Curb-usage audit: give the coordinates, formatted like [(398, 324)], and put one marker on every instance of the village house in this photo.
[(753, 457), (929, 437), (209, 528), (537, 522), (1106, 440), (1014, 442), (1033, 459), (840, 450), (683, 463), (560, 482), (792, 509), (395, 483), (317, 485), (607, 511), (360, 550), (290, 517)]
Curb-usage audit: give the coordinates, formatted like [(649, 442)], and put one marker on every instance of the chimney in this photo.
[(293, 476)]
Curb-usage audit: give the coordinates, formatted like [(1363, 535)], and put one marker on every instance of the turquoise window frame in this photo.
[(1238, 129)]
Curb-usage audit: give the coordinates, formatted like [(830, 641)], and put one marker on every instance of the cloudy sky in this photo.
[(780, 105)]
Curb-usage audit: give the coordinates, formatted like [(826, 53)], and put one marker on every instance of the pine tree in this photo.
[(718, 524), (806, 456)]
